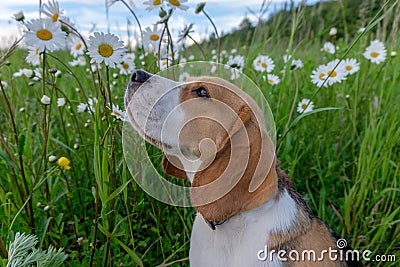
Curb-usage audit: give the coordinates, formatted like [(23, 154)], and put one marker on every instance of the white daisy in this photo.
[(236, 62), (80, 61), (297, 64), (19, 16), (44, 34), (91, 104), (184, 76), (319, 75), (235, 74), (273, 79), (118, 113), (61, 102), (37, 74), (164, 63), (4, 84), (81, 107), (33, 57), (350, 65), (77, 48), (127, 65), (26, 72), (52, 158), (152, 37), (375, 52), (177, 4), (329, 48), (153, 4), (286, 58), (305, 106), (332, 31), (52, 10), (105, 47), (45, 100), (361, 29), (182, 61), (336, 72), (129, 56), (263, 63)]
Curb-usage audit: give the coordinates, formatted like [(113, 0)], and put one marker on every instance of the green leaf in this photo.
[(5, 157), (21, 144), (131, 253), (295, 121), (117, 191)]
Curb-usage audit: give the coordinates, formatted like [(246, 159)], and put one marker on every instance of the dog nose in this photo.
[(140, 76)]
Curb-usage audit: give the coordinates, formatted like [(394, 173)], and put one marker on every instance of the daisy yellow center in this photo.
[(154, 37), (78, 46), (270, 81), (54, 18), (156, 2), (332, 73), (264, 65), (349, 68), (374, 54), (125, 66), (175, 2), (44, 34), (303, 106), (322, 76), (164, 63), (105, 50)]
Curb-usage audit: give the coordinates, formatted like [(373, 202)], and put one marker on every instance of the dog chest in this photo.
[(238, 240)]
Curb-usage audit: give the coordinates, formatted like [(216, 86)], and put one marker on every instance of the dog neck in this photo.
[(217, 177)]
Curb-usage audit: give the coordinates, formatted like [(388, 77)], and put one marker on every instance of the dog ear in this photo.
[(243, 116), (172, 166)]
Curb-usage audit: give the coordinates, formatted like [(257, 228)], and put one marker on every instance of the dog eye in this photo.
[(201, 92)]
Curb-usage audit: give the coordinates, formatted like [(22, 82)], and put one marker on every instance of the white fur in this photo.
[(191, 167), (237, 241), (156, 110)]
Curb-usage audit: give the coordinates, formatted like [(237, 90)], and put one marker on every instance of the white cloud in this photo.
[(227, 14)]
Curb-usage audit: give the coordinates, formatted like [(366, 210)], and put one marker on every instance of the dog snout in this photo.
[(138, 77)]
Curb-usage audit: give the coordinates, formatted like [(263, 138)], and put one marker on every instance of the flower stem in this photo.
[(137, 20), (216, 33), (197, 44), (29, 210)]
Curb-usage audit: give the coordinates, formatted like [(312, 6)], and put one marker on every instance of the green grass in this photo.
[(344, 161)]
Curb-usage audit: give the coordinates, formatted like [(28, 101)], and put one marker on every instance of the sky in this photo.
[(91, 14)]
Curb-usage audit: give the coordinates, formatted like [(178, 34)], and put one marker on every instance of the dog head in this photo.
[(211, 132)]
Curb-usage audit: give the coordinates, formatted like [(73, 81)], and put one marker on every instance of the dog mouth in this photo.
[(148, 100)]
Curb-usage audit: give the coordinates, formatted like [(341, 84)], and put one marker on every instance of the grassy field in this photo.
[(343, 156)]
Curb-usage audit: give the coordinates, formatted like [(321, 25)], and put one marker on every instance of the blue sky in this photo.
[(227, 14)]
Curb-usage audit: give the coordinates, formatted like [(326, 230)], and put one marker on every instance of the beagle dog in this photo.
[(248, 213)]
